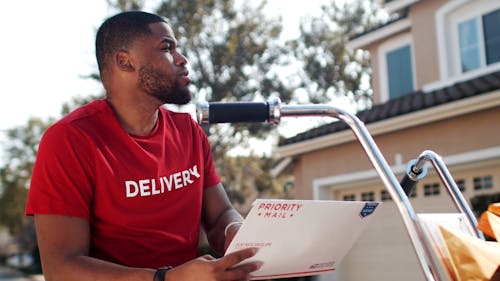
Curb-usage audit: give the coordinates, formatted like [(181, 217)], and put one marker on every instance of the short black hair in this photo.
[(119, 32)]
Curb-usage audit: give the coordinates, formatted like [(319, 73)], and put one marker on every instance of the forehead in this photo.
[(161, 31)]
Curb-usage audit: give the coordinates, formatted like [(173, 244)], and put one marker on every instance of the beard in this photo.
[(163, 86)]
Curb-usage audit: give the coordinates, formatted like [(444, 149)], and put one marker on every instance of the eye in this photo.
[(168, 47)]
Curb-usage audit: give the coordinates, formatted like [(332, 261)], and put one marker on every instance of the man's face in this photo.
[(162, 72)]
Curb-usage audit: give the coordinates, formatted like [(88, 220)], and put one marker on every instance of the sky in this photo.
[(47, 49)]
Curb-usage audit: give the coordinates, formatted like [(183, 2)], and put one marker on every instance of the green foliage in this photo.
[(233, 56), (239, 56), (330, 69), (77, 102), (246, 178), (126, 5), (263, 181), (20, 149)]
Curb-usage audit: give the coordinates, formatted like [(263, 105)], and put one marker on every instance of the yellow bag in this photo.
[(489, 222), (474, 259)]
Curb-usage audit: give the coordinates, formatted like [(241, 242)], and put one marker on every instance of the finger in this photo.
[(207, 257), (241, 272), (237, 257)]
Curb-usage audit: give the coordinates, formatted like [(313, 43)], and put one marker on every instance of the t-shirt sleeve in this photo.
[(210, 174), (62, 179)]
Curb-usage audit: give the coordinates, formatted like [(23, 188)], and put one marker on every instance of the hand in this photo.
[(207, 268)]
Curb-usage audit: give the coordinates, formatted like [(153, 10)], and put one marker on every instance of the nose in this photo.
[(180, 59)]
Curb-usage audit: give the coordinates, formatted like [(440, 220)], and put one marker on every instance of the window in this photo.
[(479, 41), (431, 189), (368, 196), (485, 182), (491, 22), (461, 185), (469, 44), (385, 196), (467, 36), (349, 197), (399, 71)]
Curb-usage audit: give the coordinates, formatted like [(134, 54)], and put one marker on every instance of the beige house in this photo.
[(436, 85)]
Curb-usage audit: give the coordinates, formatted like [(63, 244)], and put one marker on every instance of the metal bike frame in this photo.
[(406, 210), (410, 218), (381, 167), (450, 184)]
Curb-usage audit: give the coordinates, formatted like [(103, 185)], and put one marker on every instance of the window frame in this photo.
[(398, 53), (478, 17), (349, 197), (368, 196), (387, 47), (385, 195), (432, 189), (484, 182), (480, 34), (448, 19), (461, 184)]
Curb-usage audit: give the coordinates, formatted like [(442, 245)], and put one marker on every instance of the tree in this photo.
[(75, 102), (238, 56), (15, 175), (125, 5), (330, 69), (231, 48), (20, 149), (234, 54)]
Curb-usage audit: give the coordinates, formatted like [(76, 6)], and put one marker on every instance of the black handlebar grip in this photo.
[(237, 112), (408, 184)]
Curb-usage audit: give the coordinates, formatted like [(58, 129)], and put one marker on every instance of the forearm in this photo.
[(216, 236), (83, 268)]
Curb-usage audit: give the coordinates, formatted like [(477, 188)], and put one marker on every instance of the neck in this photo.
[(135, 118)]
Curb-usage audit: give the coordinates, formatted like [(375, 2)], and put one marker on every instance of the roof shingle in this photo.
[(408, 103)]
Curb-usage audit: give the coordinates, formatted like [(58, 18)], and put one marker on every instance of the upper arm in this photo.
[(60, 238), (63, 175), (217, 214), (215, 203)]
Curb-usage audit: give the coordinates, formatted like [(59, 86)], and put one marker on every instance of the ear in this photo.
[(123, 61)]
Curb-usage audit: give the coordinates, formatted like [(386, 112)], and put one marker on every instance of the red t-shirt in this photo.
[(142, 195)]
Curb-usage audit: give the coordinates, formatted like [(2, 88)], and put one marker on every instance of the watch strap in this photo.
[(160, 273)]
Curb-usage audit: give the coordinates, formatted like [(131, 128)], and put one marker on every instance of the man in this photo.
[(120, 185)]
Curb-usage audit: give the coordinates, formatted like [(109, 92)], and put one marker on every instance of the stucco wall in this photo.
[(384, 251), (447, 137), (425, 53), (423, 19)]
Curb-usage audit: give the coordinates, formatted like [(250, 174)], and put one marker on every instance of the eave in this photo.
[(421, 117)]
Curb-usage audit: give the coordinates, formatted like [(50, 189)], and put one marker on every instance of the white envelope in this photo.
[(301, 237)]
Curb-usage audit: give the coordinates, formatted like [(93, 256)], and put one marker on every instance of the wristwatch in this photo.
[(160, 273)]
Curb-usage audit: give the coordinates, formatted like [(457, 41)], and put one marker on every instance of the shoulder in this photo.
[(75, 123), (87, 111)]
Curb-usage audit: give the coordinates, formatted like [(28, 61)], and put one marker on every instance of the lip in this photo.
[(184, 77), (183, 73)]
